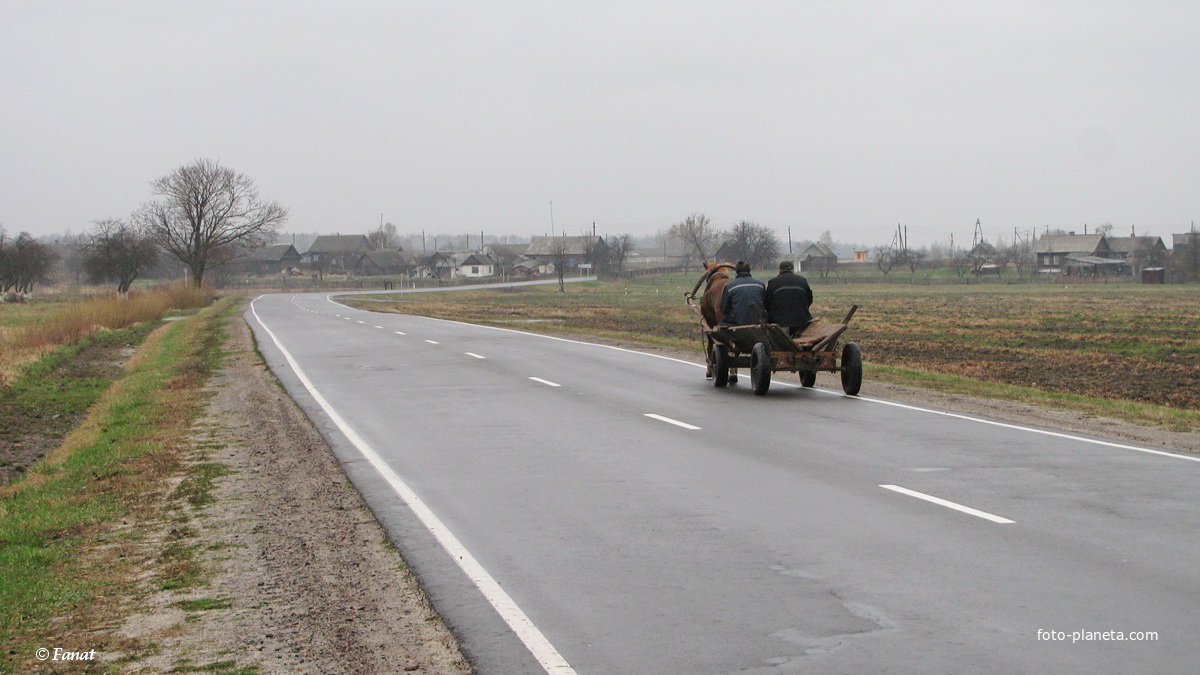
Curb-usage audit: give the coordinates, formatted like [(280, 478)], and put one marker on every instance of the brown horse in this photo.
[(717, 275)]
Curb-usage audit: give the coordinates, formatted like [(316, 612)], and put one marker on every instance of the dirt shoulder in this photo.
[(303, 578)]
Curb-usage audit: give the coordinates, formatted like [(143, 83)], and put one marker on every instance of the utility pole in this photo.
[(789, 240)]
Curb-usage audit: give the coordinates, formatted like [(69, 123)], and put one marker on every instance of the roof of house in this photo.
[(818, 250), (461, 259), (340, 243), (571, 245), (1131, 244), (273, 253), (506, 250), (385, 259), (1068, 243), (1180, 240)]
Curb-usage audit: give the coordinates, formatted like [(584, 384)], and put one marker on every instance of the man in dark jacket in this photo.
[(742, 303), (788, 299)]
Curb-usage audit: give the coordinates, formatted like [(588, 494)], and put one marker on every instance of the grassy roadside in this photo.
[(1121, 351), (71, 548)]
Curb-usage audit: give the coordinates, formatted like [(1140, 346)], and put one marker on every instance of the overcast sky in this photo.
[(457, 117)]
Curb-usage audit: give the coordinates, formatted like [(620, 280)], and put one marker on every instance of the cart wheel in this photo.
[(760, 368), (720, 365), (851, 369), (808, 377)]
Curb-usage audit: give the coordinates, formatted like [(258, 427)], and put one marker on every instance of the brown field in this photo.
[(28, 330), (1118, 342)]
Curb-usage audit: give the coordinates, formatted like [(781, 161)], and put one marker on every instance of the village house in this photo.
[(818, 258), (391, 262), (1181, 242), (274, 259), (587, 252), (1076, 254), (1138, 252), (505, 256), (336, 252), (472, 266)]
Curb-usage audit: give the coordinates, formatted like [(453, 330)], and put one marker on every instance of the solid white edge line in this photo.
[(1006, 425), (530, 635), (1044, 432), (949, 504), (547, 382), (668, 420)]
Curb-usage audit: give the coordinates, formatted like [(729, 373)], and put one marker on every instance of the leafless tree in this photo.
[(619, 248), (885, 258), (118, 251), (911, 258), (1021, 254), (697, 234), (754, 243), (559, 259), (596, 253), (382, 238), (24, 261), (205, 207)]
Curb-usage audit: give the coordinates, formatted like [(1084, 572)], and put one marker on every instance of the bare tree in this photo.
[(559, 259), (382, 238), (885, 258), (1021, 254), (619, 248), (206, 207), (697, 234), (911, 258), (118, 251), (596, 253), (754, 243), (24, 261)]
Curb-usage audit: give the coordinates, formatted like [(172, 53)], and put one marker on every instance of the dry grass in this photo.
[(70, 322)]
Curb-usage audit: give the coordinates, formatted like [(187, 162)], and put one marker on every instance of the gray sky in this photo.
[(456, 117)]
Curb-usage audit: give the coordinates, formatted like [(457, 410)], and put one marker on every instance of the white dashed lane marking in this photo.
[(668, 420), (948, 504)]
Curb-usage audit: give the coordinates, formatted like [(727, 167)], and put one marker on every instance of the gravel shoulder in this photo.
[(303, 578)]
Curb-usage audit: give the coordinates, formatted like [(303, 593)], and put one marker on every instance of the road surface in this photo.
[(579, 507)]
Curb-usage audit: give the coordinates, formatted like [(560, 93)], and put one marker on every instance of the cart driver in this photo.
[(742, 302), (788, 299)]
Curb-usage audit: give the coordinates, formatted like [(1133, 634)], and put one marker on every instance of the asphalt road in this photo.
[(576, 506)]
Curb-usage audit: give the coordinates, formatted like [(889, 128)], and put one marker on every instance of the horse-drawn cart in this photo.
[(767, 348)]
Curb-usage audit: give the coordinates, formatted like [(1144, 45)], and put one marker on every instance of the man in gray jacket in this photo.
[(742, 303)]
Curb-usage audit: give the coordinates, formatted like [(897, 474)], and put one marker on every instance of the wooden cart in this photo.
[(767, 348)]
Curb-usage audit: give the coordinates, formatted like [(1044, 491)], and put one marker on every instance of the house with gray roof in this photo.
[(818, 258), (337, 252), (575, 251), (274, 259), (1076, 254), (1138, 252), (391, 262)]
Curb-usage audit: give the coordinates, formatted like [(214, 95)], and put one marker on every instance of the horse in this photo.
[(716, 275)]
